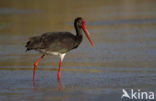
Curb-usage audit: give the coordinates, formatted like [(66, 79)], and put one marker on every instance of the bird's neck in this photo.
[(78, 31)]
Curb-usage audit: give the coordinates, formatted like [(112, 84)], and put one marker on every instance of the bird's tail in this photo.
[(33, 43), (27, 45)]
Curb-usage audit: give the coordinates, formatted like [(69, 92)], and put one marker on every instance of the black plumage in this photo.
[(61, 42)]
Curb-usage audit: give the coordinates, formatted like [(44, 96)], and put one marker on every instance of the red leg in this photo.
[(35, 66), (59, 71)]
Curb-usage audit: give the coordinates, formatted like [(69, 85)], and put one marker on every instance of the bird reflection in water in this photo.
[(58, 81), (34, 85), (59, 84)]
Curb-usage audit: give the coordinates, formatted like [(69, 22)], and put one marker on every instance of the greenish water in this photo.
[(124, 33)]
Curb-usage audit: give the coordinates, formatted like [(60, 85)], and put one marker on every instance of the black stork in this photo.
[(58, 43)]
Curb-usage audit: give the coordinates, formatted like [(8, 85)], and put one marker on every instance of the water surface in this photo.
[(124, 55)]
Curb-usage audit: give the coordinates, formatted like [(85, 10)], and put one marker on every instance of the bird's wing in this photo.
[(58, 41)]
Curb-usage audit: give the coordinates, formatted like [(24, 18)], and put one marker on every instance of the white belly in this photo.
[(49, 52), (61, 55)]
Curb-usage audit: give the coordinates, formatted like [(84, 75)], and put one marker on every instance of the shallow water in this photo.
[(124, 56)]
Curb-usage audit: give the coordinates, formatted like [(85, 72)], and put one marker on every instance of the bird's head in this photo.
[(80, 22)]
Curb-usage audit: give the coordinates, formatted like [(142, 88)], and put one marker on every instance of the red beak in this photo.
[(87, 33)]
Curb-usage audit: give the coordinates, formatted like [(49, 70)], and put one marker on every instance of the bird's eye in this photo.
[(80, 23)]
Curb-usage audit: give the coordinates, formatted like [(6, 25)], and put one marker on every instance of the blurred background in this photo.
[(124, 33)]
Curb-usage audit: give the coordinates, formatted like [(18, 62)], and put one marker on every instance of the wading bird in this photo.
[(58, 43)]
